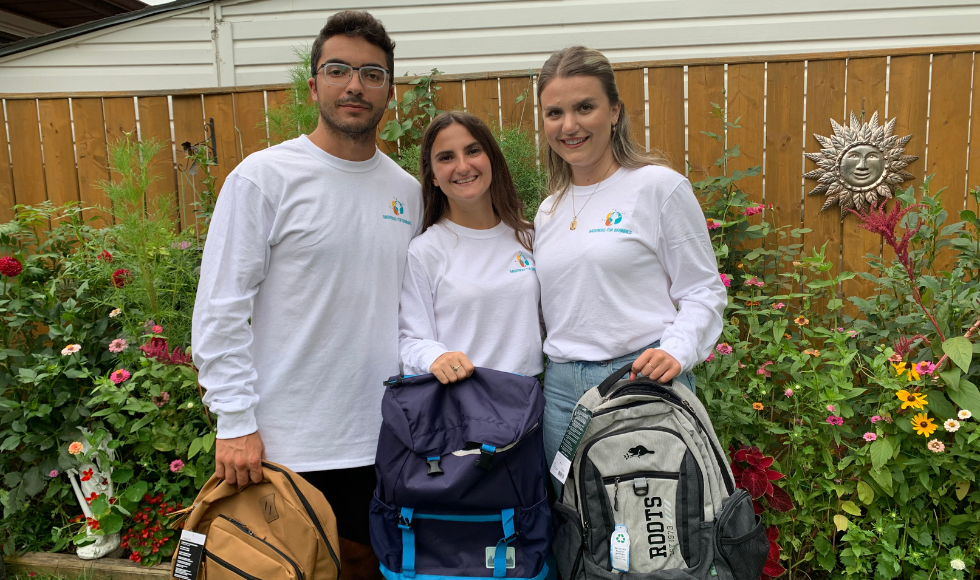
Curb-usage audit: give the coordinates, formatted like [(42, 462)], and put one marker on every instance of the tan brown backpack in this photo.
[(280, 529)]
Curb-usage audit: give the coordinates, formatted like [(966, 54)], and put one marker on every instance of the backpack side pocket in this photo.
[(568, 542), (740, 538)]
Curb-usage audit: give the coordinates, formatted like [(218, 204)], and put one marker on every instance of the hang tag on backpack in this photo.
[(619, 549), (581, 417), (188, 555)]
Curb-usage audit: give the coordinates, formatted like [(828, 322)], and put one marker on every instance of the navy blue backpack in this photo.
[(461, 479)]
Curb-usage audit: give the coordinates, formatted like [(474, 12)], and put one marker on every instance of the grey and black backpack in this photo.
[(649, 493)]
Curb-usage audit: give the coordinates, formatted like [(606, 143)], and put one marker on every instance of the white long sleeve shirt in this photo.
[(472, 291), (638, 267), (312, 249)]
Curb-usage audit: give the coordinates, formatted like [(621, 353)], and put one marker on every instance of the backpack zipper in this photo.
[(651, 474), (309, 511), (223, 564), (244, 528), (476, 451)]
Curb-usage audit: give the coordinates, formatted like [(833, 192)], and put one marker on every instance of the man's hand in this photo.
[(451, 367), (656, 364), (240, 459)]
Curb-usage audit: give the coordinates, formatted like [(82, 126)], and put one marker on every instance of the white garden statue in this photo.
[(90, 480)]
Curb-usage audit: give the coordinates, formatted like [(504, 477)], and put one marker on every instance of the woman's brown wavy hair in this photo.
[(503, 195)]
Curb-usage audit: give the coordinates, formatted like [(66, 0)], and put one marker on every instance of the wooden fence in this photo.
[(57, 142)]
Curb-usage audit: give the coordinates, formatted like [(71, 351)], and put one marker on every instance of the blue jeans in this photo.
[(564, 385)]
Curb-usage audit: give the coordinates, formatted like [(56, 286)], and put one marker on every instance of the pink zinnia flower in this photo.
[(10, 266), (726, 280), (763, 370), (157, 329), (831, 408), (875, 419), (118, 345), (925, 368), (752, 210), (788, 392), (724, 348), (710, 358), (754, 281), (779, 306), (176, 465), (869, 436), (936, 446), (53, 473), (835, 420), (895, 358), (119, 375), (852, 333), (712, 224)]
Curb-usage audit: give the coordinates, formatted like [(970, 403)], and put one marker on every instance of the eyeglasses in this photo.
[(337, 73)]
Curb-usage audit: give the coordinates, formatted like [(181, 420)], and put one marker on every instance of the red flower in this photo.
[(121, 277), (91, 497), (772, 567), (10, 266), (87, 475), (158, 349), (105, 256)]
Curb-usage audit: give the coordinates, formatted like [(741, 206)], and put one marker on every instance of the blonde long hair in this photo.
[(582, 61)]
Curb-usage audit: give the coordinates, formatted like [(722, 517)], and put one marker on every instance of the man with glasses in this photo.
[(296, 318)]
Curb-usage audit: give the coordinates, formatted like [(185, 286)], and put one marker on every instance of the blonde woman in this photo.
[(626, 266)]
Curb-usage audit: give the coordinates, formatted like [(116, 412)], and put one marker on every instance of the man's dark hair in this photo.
[(355, 23)]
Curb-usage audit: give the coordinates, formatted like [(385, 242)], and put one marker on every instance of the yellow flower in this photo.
[(812, 352), (913, 375), (923, 425), (758, 406), (899, 368), (914, 400), (801, 320)]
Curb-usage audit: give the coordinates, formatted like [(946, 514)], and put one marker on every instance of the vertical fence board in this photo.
[(973, 175), (25, 152), (449, 96), (120, 117), (908, 104), (188, 128), (482, 100), (824, 101), (784, 140), (221, 108), (746, 93), (666, 88), (705, 85), (948, 135), (7, 200), (630, 85), (948, 120), (865, 95), (155, 124), (513, 113), (250, 122), (59, 150), (93, 159)]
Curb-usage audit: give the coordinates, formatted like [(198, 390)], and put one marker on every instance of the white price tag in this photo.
[(619, 549)]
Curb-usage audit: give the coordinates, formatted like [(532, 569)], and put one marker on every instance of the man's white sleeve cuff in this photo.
[(239, 424)]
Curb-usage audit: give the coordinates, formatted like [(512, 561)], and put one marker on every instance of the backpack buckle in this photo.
[(404, 523), (434, 468), (485, 461), (640, 486)]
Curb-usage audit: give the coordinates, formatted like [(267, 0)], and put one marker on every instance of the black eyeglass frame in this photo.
[(388, 74)]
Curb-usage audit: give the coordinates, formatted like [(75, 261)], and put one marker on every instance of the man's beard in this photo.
[(358, 132)]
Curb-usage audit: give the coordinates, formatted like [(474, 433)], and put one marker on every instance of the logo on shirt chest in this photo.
[(523, 263), (612, 219), (394, 213)]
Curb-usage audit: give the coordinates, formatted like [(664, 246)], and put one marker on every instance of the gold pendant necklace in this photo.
[(574, 223)]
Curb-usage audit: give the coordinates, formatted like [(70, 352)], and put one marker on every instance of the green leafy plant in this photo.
[(297, 114)]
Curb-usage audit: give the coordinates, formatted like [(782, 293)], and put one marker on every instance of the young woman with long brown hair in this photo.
[(470, 296), (626, 266)]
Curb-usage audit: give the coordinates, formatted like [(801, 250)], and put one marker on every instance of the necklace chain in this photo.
[(574, 223)]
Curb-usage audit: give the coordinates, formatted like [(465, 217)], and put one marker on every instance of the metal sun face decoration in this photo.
[(860, 165)]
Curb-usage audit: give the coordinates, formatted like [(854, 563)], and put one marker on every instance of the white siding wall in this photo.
[(248, 42)]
